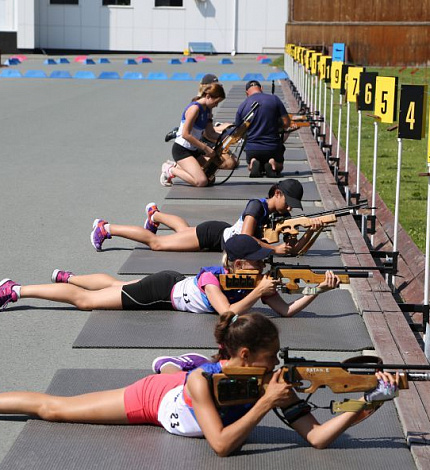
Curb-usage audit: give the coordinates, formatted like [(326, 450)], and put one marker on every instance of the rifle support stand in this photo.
[(424, 309)]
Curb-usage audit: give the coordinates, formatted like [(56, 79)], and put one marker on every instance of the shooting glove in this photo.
[(383, 392)]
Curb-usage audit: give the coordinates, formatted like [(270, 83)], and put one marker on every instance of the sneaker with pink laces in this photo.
[(150, 225), (59, 276), (99, 234), (166, 174), (7, 294)]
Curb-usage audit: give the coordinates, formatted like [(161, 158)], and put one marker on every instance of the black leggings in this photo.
[(151, 292)]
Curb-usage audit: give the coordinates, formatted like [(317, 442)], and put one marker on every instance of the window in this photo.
[(64, 2), (116, 2), (169, 3)]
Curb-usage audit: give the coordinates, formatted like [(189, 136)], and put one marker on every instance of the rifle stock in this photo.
[(290, 226), (241, 385), (224, 143), (289, 277)]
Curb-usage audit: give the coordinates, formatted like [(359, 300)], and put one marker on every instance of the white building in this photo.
[(243, 26)]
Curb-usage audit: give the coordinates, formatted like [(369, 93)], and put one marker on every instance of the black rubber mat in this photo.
[(272, 445), (330, 323), (235, 190), (291, 170), (142, 260)]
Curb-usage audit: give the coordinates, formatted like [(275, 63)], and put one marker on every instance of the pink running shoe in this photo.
[(150, 225), (166, 175), (185, 362), (99, 234), (59, 276), (7, 294)]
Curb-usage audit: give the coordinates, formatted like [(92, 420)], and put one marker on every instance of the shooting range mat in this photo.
[(142, 260), (295, 170), (330, 323), (271, 445), (236, 190)]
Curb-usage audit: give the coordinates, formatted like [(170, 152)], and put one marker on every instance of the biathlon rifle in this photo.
[(290, 275), (229, 137), (288, 226), (241, 385)]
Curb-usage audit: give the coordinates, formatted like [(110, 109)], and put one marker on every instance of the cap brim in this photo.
[(293, 202), (260, 254)]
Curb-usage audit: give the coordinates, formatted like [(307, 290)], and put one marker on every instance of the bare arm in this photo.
[(224, 440), (221, 304), (277, 303), (190, 118)]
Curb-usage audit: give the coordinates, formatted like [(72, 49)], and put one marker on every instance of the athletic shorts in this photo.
[(263, 156), (179, 152), (142, 399), (151, 292), (210, 235)]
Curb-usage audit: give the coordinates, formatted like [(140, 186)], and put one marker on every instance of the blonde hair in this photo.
[(214, 90)]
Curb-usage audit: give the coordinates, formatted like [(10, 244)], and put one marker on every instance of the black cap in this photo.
[(252, 83), (293, 192), (208, 79), (245, 247)]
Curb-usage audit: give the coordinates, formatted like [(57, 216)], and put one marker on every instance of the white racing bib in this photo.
[(175, 416)]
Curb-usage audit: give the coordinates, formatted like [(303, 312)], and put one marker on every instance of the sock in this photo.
[(17, 290), (107, 228)]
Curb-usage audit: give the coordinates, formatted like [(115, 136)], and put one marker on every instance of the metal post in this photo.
[(325, 108), (331, 115), (348, 113), (339, 126), (358, 154), (427, 272), (397, 203), (375, 161)]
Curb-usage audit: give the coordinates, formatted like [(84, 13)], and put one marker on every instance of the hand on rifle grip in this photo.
[(387, 388), (331, 281), (278, 392), (267, 286)]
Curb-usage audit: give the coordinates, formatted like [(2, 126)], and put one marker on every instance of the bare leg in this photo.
[(106, 298), (183, 240), (105, 407), (95, 281), (174, 222), (190, 171)]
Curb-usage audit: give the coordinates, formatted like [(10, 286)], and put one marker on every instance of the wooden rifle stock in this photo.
[(239, 385), (224, 143), (290, 226), (288, 276)]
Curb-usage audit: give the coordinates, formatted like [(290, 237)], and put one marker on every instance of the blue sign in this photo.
[(338, 54)]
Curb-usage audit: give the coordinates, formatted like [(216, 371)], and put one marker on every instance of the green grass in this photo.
[(413, 188)]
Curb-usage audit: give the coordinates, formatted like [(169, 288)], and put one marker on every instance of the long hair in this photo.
[(215, 90), (251, 330)]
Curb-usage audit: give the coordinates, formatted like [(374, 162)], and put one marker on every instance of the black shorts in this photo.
[(263, 156), (151, 292), (210, 235), (179, 152)]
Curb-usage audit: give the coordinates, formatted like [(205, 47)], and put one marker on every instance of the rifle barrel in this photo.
[(364, 366)]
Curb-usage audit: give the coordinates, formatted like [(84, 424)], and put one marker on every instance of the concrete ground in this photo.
[(71, 151)]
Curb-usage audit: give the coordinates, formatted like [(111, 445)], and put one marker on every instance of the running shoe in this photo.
[(185, 362), (270, 172), (166, 175), (171, 135), (7, 294), (59, 276), (150, 225), (99, 234), (255, 169)]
